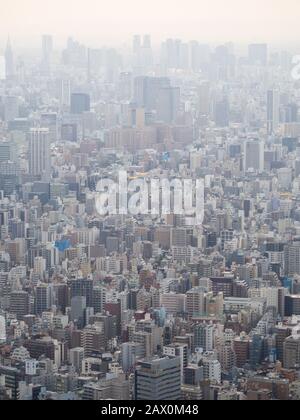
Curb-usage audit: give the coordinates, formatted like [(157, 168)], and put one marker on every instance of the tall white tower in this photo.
[(39, 153)]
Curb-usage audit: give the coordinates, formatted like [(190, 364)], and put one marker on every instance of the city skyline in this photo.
[(113, 23)]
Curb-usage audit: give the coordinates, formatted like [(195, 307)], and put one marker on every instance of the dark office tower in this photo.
[(256, 351), (168, 102), (80, 103), (47, 50), (61, 296), (42, 299), (12, 377), (132, 299), (222, 113), (258, 54), (247, 208), (292, 305), (273, 104), (9, 61), (19, 304), (158, 380), (83, 287)]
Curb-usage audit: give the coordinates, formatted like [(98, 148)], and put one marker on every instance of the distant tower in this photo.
[(273, 109), (9, 61), (47, 49), (39, 153)]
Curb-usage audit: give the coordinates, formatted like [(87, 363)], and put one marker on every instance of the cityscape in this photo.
[(149, 210)]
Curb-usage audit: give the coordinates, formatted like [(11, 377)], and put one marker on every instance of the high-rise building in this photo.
[(291, 352), (158, 379), (80, 103), (9, 61), (292, 258), (39, 153), (273, 105), (42, 298), (254, 156), (204, 337), (47, 50)]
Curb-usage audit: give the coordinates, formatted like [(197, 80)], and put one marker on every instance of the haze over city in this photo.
[(115, 21), (149, 203)]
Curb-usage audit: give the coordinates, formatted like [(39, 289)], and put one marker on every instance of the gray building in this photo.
[(158, 379)]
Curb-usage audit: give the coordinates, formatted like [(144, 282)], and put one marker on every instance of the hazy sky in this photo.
[(111, 21)]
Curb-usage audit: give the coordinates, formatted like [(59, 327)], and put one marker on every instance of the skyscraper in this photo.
[(254, 156), (273, 104), (9, 61), (39, 153), (80, 103), (158, 379), (47, 49)]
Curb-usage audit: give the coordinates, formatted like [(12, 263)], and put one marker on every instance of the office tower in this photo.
[(258, 54), (178, 350), (19, 304), (193, 375), (222, 113), (292, 305), (42, 298), (291, 113), (130, 353), (80, 103), (83, 287), (273, 106), (292, 259), (78, 308), (167, 105), (50, 120), (204, 337), (211, 368), (204, 98), (291, 352), (146, 91), (12, 377), (158, 379), (195, 302), (7, 151), (11, 108), (76, 357), (39, 153), (9, 61), (69, 132), (47, 50), (2, 330), (254, 156), (256, 351)]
